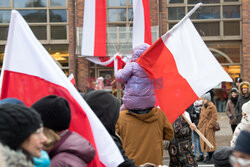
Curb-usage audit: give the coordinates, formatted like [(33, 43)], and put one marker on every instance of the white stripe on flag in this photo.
[(88, 32), (138, 23)]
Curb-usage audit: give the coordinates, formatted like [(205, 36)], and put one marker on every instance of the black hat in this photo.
[(105, 106), (17, 123), (55, 112), (242, 142), (221, 156)]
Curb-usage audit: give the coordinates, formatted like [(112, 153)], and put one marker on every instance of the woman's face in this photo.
[(34, 144), (244, 90), (234, 94), (205, 101)]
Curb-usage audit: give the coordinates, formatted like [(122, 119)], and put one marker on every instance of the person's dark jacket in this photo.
[(107, 109), (193, 115), (243, 98), (71, 150)]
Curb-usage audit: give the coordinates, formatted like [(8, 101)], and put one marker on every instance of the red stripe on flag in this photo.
[(173, 92), (100, 28), (30, 88), (147, 31)]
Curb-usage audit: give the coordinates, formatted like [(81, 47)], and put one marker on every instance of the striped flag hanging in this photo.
[(94, 35)]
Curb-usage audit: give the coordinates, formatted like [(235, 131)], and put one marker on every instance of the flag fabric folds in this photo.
[(30, 73), (141, 23), (181, 67)]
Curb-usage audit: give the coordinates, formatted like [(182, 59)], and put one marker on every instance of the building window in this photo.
[(48, 19), (214, 20), (50, 15), (119, 30)]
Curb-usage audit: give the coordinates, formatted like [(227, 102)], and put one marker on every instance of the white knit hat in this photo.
[(246, 108), (207, 96)]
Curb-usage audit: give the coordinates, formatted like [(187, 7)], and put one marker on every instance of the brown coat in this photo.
[(208, 117), (230, 110), (143, 134)]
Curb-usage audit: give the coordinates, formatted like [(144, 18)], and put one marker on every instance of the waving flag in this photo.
[(141, 23), (181, 67), (30, 73)]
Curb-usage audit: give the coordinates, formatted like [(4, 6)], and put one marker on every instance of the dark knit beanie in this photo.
[(221, 156), (55, 112), (17, 123), (242, 142), (234, 90)]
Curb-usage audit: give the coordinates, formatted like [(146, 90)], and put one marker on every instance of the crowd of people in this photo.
[(39, 135)]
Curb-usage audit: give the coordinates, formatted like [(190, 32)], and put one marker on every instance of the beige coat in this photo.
[(143, 134), (230, 110), (208, 117)]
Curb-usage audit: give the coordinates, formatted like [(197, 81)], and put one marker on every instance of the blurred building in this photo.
[(223, 24)]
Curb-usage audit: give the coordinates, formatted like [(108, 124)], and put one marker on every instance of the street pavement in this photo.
[(223, 138)]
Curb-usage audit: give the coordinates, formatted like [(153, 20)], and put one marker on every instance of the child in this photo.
[(139, 92)]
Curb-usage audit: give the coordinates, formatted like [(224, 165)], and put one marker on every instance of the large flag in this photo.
[(141, 22), (181, 67), (30, 73)]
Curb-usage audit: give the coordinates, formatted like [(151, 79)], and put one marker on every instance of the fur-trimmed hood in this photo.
[(12, 158), (244, 83)]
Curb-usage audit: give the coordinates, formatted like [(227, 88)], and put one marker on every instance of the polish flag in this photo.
[(30, 73), (141, 23), (181, 67), (94, 35)]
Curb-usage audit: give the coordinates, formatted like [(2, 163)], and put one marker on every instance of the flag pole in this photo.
[(198, 132)]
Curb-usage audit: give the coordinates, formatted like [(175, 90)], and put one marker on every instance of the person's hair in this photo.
[(52, 138)]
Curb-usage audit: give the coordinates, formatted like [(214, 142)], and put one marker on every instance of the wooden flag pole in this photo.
[(198, 132)]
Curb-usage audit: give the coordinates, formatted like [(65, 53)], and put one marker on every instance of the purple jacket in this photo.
[(139, 91), (71, 150)]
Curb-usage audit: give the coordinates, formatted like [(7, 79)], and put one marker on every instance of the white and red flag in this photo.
[(94, 35), (30, 73), (141, 23), (181, 67)]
